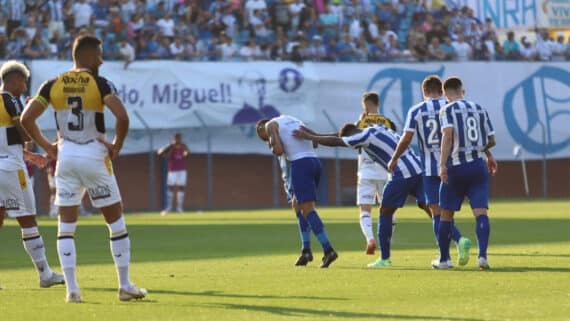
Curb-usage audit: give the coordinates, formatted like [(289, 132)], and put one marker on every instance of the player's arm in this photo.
[(331, 141), (33, 111), (186, 150), (116, 107), (403, 145), (275, 142), (446, 139), (490, 131), (164, 151)]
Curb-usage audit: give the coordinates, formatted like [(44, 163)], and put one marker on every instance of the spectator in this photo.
[(317, 51), (296, 55), (277, 51), (528, 51), (229, 20), (360, 51), (511, 47), (420, 50), (559, 48), (435, 52), (127, 53), (436, 32), (15, 10), (280, 14), (251, 5), (345, 49), (35, 48), (250, 51), (463, 50), (3, 43), (16, 45), (355, 29), (393, 49), (543, 47), (166, 25), (295, 10), (328, 22), (228, 49), (447, 48), (54, 9), (163, 51), (82, 13)]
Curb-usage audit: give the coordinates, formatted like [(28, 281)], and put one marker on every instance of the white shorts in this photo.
[(369, 191), (74, 175), (176, 178), (16, 193)]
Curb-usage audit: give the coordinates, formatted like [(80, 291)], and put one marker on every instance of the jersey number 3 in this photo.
[(75, 103)]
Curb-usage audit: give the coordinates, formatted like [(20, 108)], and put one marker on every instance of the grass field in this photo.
[(239, 266)]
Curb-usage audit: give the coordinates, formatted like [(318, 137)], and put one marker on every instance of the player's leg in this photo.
[(52, 207), (365, 197), (181, 190), (478, 194), (305, 234), (305, 175), (170, 192), (108, 200)]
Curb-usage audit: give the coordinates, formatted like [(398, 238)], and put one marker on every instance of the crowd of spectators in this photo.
[(246, 30)]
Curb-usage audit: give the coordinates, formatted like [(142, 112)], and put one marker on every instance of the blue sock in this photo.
[(385, 235), (319, 230), (304, 231), (444, 239), (435, 224), (483, 230), (455, 233)]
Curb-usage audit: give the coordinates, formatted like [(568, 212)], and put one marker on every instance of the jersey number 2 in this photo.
[(433, 138), (75, 103)]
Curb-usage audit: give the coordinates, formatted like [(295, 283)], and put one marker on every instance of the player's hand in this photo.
[(112, 149), (37, 159), (443, 174), (315, 144), (301, 134), (51, 151), (492, 166), (392, 165)]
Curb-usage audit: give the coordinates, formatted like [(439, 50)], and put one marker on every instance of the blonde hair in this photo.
[(14, 66)]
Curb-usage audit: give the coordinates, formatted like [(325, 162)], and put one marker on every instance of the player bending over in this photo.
[(305, 175)]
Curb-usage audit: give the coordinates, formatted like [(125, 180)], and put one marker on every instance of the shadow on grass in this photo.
[(533, 255), (221, 294), (301, 311)]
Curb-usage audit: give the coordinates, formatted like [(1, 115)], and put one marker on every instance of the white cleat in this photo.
[(164, 213), (132, 293), (436, 264), (73, 297), (54, 279), (179, 210), (483, 264)]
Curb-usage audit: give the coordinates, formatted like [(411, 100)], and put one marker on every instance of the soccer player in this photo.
[(78, 98), (16, 193), (379, 143), (176, 153), (423, 118), (371, 176), (467, 133), (305, 175)]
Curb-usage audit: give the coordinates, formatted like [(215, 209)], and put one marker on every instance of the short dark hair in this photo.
[(347, 130), (371, 97), (260, 125), (432, 84), (85, 42), (452, 83)]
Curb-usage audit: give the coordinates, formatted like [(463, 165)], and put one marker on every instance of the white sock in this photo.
[(121, 250), (67, 255), (366, 225), (34, 245), (180, 200), (169, 199)]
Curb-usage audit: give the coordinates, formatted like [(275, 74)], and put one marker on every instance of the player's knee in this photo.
[(27, 221), (387, 210)]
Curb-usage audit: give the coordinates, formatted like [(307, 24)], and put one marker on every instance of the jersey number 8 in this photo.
[(472, 129), (75, 103)]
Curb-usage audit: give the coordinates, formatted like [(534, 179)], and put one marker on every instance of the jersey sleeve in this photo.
[(445, 117), (106, 87), (43, 95), (488, 125), (411, 123), (358, 140), (11, 105)]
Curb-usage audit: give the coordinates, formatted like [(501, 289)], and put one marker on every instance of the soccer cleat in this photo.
[(380, 263), (305, 257), (132, 293), (371, 247), (328, 258), (436, 264), (164, 213), (483, 264), (179, 210), (73, 297), (463, 247), (54, 279)]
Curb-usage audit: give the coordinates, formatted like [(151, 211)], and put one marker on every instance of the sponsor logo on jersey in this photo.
[(99, 192)]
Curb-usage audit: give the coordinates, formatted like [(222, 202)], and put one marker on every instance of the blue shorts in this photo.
[(397, 190), (431, 188), (471, 180), (305, 176)]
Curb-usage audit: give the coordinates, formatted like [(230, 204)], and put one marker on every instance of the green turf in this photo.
[(239, 266)]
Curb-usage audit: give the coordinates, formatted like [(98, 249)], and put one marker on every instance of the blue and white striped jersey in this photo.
[(380, 143), (471, 130), (423, 118)]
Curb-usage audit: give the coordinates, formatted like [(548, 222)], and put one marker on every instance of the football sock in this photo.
[(121, 250), (483, 230), (435, 223), (319, 230), (34, 245), (444, 239), (169, 199), (455, 233), (393, 223), (67, 255), (366, 225), (385, 234), (180, 200), (304, 231)]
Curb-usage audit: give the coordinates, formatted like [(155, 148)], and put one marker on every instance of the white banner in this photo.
[(554, 13), (504, 14), (528, 103)]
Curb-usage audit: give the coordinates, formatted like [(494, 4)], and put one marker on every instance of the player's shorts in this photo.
[(397, 190), (16, 193), (431, 188), (176, 178), (305, 177), (51, 181), (369, 191), (74, 175), (471, 180)]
